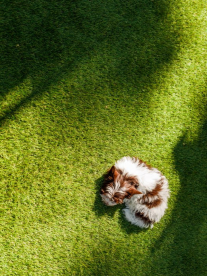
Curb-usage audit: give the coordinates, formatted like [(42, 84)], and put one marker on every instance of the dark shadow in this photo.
[(101, 262), (47, 40), (181, 250)]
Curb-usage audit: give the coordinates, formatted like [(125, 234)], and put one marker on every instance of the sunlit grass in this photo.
[(85, 84)]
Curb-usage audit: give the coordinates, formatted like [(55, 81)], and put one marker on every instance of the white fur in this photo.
[(130, 216), (148, 178), (111, 190), (108, 200)]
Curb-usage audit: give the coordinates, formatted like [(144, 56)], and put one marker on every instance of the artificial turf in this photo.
[(83, 84)]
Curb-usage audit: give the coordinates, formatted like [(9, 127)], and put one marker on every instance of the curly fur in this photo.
[(143, 189)]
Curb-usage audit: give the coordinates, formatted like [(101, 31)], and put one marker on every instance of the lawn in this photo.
[(84, 83)]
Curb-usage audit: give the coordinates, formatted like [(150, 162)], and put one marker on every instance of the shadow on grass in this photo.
[(45, 41), (181, 250)]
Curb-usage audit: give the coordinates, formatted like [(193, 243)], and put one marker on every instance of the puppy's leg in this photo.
[(128, 215), (131, 217)]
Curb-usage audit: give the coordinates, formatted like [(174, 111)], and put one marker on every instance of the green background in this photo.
[(84, 83)]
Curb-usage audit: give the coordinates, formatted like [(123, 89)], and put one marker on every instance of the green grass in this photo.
[(83, 84)]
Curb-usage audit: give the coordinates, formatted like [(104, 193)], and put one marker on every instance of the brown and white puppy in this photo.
[(142, 188)]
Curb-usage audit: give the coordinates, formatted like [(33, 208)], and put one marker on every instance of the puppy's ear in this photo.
[(133, 191), (108, 179), (112, 172)]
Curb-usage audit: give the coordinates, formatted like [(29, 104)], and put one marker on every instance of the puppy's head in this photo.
[(118, 186)]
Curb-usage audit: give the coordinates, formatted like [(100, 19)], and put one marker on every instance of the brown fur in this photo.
[(129, 183), (125, 186), (152, 193), (144, 218), (152, 199), (154, 203)]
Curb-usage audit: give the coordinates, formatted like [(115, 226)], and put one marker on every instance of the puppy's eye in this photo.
[(133, 183)]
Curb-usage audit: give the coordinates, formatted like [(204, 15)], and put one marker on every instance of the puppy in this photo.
[(143, 189)]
